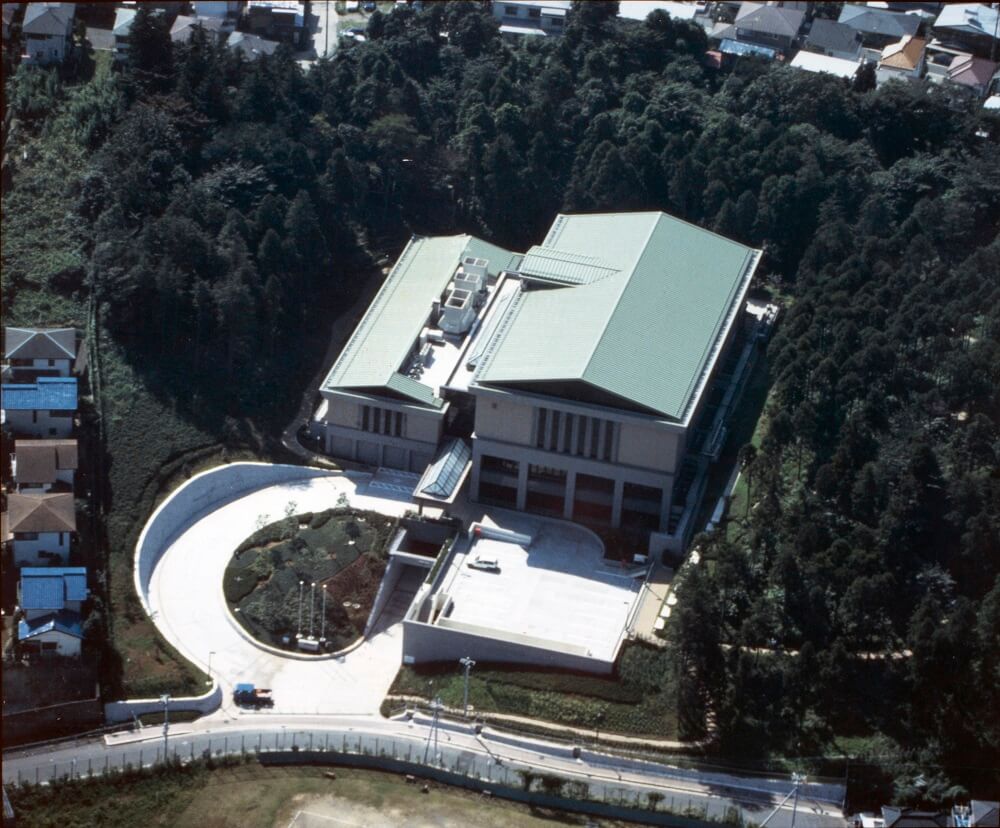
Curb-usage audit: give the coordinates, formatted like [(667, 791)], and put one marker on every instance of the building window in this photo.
[(575, 434), (510, 11), (534, 13), (540, 429), (377, 420), (28, 536)]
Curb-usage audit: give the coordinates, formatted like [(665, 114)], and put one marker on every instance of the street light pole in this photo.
[(165, 701), (322, 617), (312, 605), (298, 631), (468, 664)]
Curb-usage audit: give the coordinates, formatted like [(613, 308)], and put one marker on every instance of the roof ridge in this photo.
[(625, 282)]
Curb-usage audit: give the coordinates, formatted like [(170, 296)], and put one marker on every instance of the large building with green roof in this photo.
[(590, 375)]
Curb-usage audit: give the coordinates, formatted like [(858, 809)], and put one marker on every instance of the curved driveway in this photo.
[(187, 604)]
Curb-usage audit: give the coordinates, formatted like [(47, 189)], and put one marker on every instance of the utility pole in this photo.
[(326, 30), (322, 618), (312, 605), (165, 701), (298, 631), (468, 664), (797, 779)]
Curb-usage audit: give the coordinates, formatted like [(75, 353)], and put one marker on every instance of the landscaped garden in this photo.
[(311, 576)]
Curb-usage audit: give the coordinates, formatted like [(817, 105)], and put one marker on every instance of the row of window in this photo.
[(533, 14), (383, 421), (575, 434)]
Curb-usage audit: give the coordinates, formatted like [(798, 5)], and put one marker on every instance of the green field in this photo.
[(341, 551)]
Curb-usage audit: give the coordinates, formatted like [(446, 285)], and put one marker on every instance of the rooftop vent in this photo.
[(457, 313)]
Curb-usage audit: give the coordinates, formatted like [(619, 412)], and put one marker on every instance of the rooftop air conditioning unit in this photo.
[(473, 271), (458, 312)]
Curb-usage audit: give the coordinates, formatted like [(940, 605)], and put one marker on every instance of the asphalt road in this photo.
[(491, 756)]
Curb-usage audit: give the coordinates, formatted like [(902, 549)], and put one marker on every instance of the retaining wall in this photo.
[(125, 711), (200, 495)]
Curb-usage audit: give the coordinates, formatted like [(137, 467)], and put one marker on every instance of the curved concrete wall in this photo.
[(196, 498), (125, 711)]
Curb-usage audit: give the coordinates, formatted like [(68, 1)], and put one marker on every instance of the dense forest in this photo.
[(861, 594)]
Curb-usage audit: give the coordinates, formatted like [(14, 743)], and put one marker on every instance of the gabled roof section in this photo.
[(51, 587), (442, 477), (375, 353), (971, 71), (648, 334), (40, 343), (903, 55), (880, 21), (769, 19), (41, 513), (65, 622), (968, 18), (46, 393), (38, 461), (837, 37), (48, 18)]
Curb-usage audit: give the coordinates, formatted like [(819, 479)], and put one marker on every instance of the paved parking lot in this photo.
[(557, 589)]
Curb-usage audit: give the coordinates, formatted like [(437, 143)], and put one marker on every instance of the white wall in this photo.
[(124, 711), (45, 49), (26, 551), (39, 424), (66, 645)]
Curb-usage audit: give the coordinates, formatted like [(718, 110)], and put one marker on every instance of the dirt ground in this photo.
[(437, 809)]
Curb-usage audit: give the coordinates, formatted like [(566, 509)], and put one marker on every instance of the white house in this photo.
[(30, 353), (813, 62), (44, 408), (40, 526), (904, 59), (48, 32), (59, 634), (531, 17), (40, 466)]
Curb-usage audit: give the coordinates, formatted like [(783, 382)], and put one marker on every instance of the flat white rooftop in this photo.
[(557, 593)]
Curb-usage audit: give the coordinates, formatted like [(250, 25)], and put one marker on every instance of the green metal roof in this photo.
[(559, 266), (375, 353), (646, 333)]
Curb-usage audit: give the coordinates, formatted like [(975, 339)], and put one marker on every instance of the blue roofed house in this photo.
[(56, 634), (51, 599), (47, 590), (43, 408)]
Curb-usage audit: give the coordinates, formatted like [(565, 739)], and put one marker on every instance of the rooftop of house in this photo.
[(624, 276), (641, 9), (184, 25), (49, 588), (812, 62), (969, 18), (833, 36), (971, 71), (65, 622), (45, 393), (38, 461), (729, 46), (905, 54), (880, 21), (48, 18), (124, 18), (378, 356), (40, 343), (771, 20), (41, 513), (562, 5), (251, 46)]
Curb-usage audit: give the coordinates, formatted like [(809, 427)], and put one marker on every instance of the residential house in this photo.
[(184, 26), (122, 31), (591, 377), (44, 465), (880, 27), (905, 59), (251, 46), (47, 30), (40, 526), (975, 74), (228, 11), (769, 26), (45, 590), (44, 408), (58, 634), (30, 353), (531, 17), (279, 20), (813, 62), (971, 27), (833, 39)]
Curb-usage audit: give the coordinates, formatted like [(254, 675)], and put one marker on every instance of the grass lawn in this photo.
[(640, 700), (345, 551), (252, 796)]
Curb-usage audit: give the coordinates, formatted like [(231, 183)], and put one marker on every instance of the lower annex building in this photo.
[(589, 378)]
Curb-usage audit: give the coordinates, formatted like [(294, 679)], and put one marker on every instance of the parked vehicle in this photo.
[(246, 695), (485, 564)]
